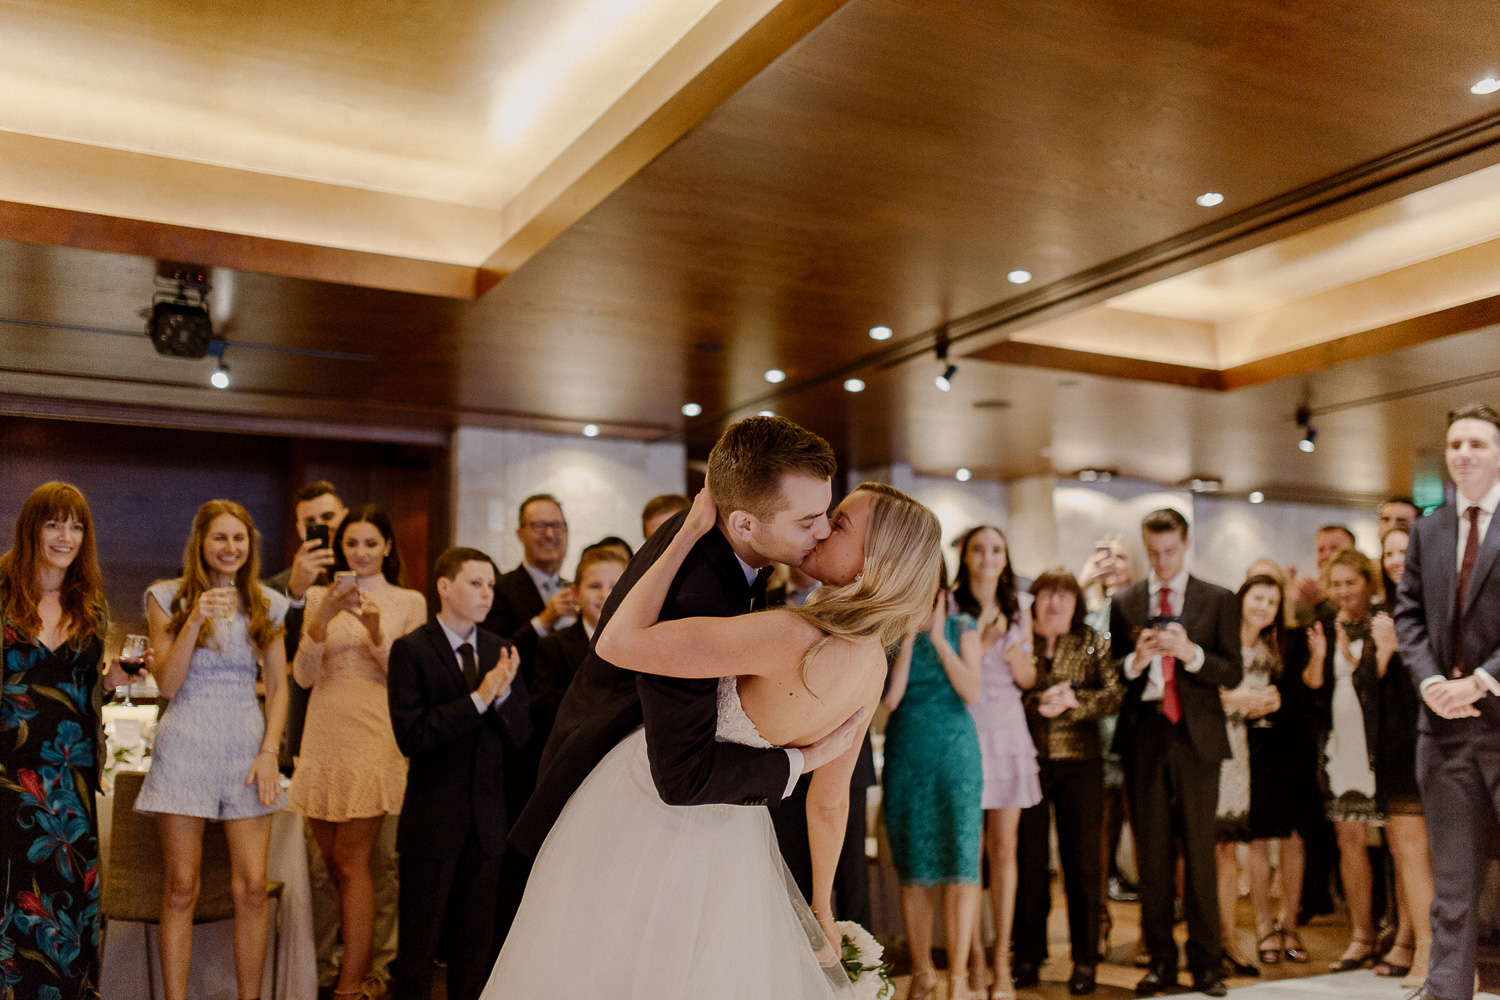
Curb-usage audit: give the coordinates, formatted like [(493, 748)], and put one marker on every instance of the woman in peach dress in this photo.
[(350, 772)]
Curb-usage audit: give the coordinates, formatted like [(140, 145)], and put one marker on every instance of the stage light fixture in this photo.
[(220, 378), (963, 475), (1309, 442)]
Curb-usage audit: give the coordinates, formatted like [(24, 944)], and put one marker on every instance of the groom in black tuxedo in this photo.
[(770, 482), (458, 709), (1448, 624)]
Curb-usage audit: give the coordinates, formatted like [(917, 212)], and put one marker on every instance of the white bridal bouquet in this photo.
[(860, 956)]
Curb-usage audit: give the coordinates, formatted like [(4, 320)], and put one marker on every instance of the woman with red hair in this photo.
[(55, 618)]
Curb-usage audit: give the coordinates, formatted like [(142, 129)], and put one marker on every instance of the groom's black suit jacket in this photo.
[(605, 703)]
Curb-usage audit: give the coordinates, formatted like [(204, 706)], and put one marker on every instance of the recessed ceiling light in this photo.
[(765, 413), (854, 384), (775, 375), (880, 333), (962, 475), (590, 430), (1018, 277), (1256, 496), (691, 409), (1486, 86), (1209, 199)]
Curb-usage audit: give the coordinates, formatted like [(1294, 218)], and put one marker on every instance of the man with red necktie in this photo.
[(1178, 639), (1448, 625)]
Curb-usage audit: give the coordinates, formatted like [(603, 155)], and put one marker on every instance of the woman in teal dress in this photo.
[(933, 780), (52, 607)]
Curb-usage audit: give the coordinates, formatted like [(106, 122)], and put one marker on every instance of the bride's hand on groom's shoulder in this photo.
[(701, 517)]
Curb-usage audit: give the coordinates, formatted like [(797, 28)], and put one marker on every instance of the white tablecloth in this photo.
[(123, 973)]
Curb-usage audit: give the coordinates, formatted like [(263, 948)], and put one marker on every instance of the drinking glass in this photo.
[(133, 660)]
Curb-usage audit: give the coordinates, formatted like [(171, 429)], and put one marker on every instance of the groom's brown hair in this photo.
[(746, 467)]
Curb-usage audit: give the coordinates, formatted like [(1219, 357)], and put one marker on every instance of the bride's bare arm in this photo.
[(687, 647), (827, 819)]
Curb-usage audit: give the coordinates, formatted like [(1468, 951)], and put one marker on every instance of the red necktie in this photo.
[(1170, 707), (1465, 570)]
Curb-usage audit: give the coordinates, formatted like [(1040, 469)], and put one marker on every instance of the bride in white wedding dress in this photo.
[(633, 899)]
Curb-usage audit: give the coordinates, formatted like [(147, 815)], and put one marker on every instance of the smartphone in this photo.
[(1159, 622), (344, 581), (318, 533)]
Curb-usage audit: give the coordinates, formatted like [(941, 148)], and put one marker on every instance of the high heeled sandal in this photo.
[(1292, 948), (922, 985), (1270, 955), (1346, 964), (1395, 970)]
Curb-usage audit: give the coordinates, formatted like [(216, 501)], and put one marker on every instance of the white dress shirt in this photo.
[(455, 640), (1154, 685), (1486, 505), (793, 755)]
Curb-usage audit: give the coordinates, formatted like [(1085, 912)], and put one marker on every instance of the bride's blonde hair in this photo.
[(903, 560)]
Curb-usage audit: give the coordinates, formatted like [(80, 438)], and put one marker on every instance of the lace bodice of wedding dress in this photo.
[(734, 725)]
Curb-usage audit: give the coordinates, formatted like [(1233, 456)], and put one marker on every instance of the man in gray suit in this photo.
[(1448, 623)]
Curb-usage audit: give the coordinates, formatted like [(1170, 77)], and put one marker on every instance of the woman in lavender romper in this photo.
[(986, 590), (215, 752)]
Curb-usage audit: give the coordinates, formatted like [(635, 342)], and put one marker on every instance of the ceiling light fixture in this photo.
[(1205, 485), (881, 333), (775, 375), (590, 430), (1486, 86), (1095, 475), (963, 475), (691, 409), (1018, 277), (854, 385), (945, 380), (1256, 496), (1209, 199), (1309, 441), (220, 378)]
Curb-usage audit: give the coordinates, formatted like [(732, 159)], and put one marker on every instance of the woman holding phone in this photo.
[(350, 773), (54, 617), (215, 753)]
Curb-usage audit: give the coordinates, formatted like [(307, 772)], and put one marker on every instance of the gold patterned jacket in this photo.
[(1081, 657)]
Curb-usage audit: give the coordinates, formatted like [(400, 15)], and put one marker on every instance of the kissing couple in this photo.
[(657, 873)]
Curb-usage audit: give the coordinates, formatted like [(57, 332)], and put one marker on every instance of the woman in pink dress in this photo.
[(986, 589)]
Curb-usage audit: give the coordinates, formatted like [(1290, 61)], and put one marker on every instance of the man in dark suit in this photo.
[(1179, 641), (1448, 624), (770, 481), (457, 707), (533, 600)]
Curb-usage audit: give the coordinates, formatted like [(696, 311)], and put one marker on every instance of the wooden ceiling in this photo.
[(890, 168)]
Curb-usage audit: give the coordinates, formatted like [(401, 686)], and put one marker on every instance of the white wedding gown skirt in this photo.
[(632, 899)]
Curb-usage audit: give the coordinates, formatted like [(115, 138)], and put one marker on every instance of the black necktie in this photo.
[(470, 665)]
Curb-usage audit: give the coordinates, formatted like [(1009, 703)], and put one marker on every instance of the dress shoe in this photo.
[(1025, 975), (1234, 967), (1423, 993), (1159, 979), (1081, 983), (1210, 985)]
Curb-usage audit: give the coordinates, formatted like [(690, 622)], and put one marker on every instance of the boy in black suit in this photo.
[(457, 707)]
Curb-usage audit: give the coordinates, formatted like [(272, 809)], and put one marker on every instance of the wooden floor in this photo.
[(1325, 940)]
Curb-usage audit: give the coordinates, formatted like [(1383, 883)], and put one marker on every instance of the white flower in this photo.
[(870, 950)]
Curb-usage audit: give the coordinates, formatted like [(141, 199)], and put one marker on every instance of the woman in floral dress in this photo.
[(54, 615)]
